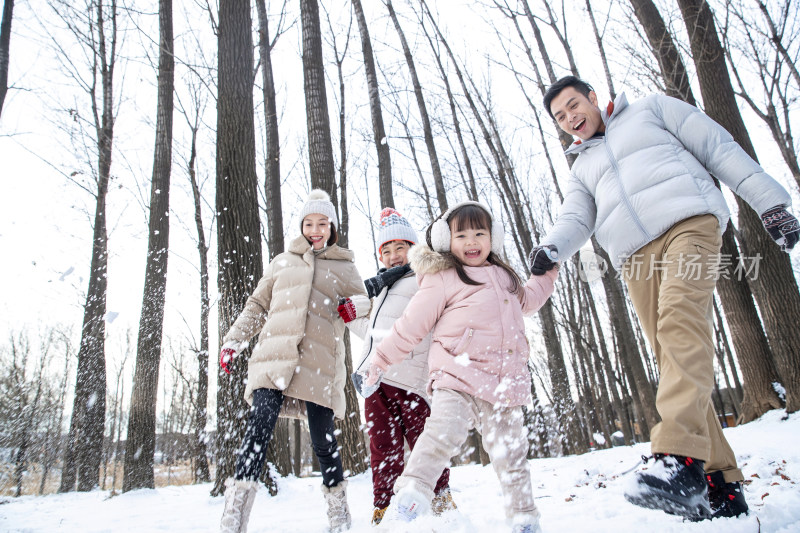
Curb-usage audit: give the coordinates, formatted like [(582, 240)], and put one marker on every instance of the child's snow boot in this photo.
[(526, 523), (239, 497), (443, 502), (377, 515), (338, 512), (726, 499), (674, 484), (410, 502)]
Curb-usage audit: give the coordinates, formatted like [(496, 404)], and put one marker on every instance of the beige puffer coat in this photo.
[(300, 349)]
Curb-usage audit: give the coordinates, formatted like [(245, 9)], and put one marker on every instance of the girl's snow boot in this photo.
[(526, 523), (239, 497), (338, 511)]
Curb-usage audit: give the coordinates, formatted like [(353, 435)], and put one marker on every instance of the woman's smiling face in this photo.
[(317, 230)]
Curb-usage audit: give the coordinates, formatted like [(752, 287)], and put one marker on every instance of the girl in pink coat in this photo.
[(473, 303)]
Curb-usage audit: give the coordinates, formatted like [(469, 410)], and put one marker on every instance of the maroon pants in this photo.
[(393, 414)]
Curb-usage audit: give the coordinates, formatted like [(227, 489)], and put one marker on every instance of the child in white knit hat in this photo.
[(297, 368), (398, 409)]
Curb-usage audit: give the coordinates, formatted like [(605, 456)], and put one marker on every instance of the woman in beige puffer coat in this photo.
[(298, 363)]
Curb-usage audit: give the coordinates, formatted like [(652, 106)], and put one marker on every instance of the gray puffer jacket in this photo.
[(412, 374), (651, 170)]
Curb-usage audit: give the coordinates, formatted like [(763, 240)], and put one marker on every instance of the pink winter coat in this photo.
[(479, 344)]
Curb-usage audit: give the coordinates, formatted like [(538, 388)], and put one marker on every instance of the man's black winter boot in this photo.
[(726, 499), (674, 484)]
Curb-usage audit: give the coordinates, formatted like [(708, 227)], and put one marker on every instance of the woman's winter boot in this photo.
[(239, 497), (338, 511)]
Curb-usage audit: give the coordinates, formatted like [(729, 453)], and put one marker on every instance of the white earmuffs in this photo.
[(440, 231)]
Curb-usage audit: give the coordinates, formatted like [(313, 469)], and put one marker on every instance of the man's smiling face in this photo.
[(577, 114)]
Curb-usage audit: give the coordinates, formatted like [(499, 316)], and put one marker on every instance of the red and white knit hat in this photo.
[(394, 227)]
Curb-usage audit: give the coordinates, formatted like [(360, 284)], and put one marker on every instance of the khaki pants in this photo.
[(671, 283), (453, 413)]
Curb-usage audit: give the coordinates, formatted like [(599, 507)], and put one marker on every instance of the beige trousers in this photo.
[(671, 283), (453, 414)]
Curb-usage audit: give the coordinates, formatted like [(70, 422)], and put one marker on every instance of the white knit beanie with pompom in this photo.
[(319, 202)]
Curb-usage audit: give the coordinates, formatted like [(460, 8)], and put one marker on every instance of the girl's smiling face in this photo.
[(317, 230), (471, 246)]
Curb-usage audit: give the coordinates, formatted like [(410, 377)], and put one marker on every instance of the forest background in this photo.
[(482, 133)]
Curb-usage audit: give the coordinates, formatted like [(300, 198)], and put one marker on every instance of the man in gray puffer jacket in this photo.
[(642, 184)]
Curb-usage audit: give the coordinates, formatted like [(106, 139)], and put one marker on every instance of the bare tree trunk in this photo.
[(320, 147), (351, 439), (601, 48), (775, 289), (604, 361), (769, 73), (379, 134), (238, 228), (777, 40), (84, 447), (141, 441), (272, 179), (5, 48), (278, 449), (201, 471), (472, 189), (753, 351), (438, 180), (676, 80)]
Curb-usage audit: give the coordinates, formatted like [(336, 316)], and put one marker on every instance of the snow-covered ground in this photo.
[(573, 493)]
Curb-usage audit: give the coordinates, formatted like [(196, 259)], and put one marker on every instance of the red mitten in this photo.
[(346, 310), (226, 355)]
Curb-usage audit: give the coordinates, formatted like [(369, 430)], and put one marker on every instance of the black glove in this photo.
[(782, 226), (385, 278), (542, 259)]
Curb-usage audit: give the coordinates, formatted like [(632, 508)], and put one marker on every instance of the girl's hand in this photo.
[(371, 381)]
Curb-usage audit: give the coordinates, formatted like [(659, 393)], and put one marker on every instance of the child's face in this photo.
[(317, 230), (577, 114), (394, 253), (470, 246)]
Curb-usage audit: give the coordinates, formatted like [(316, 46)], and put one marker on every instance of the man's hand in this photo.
[(543, 259), (782, 226), (386, 278)]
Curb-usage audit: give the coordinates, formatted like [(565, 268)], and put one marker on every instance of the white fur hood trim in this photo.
[(425, 261)]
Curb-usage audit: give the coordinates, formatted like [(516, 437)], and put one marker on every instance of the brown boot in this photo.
[(443, 502), (377, 515)]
